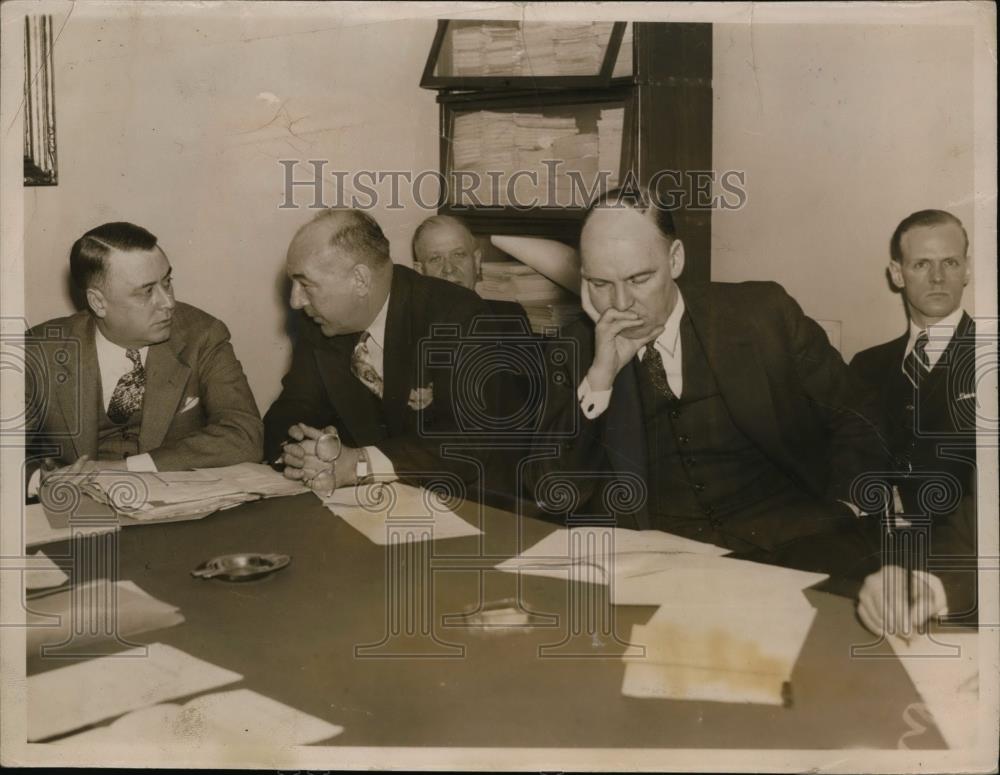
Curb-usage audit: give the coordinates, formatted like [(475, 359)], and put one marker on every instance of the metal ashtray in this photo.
[(241, 567)]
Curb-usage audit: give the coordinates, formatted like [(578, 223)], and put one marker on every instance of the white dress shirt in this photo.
[(379, 464), (939, 336), (595, 402)]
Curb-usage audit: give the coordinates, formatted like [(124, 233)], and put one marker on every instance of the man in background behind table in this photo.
[(444, 247), (356, 373), (138, 381), (723, 402), (925, 381)]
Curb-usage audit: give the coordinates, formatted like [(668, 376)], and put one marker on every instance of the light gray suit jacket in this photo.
[(197, 412)]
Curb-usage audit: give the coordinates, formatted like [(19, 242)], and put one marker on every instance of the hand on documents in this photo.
[(397, 513)]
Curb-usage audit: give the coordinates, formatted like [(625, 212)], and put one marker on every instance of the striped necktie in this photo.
[(127, 396), (916, 365), (363, 367)]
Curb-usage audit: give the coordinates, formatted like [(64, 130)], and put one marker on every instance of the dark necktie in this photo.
[(127, 396), (652, 364), (916, 365), (363, 366)]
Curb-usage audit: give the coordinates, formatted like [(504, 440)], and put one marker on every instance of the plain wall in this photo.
[(176, 123), (843, 131)]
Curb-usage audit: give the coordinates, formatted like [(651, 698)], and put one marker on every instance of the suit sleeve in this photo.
[(302, 399), (845, 405), (232, 432)]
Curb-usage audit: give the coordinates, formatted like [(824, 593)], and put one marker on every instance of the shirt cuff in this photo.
[(380, 466), (854, 509), (143, 462), (33, 482), (592, 402), (939, 598)]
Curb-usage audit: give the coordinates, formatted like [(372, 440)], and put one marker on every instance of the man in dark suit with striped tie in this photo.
[(359, 402), (925, 381), (718, 412)]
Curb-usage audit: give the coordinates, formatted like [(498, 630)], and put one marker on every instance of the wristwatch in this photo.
[(363, 471)]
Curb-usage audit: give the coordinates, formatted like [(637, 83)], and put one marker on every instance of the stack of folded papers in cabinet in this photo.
[(546, 303), (168, 495)]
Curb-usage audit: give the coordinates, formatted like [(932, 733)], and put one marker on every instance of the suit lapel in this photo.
[(956, 366), (625, 435), (77, 387), (351, 400), (166, 377), (400, 353), (732, 355)]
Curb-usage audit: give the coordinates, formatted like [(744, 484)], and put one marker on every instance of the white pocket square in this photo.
[(965, 396), (421, 398), (189, 403)]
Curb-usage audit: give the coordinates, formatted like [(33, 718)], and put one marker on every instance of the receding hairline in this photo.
[(443, 222)]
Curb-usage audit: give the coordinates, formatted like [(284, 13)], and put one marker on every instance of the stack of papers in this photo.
[(397, 513), (240, 719), (726, 630), (85, 693), (623, 64), (167, 495), (610, 127), (514, 281)]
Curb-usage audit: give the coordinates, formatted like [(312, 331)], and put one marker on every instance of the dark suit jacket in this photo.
[(319, 388), (943, 426), (786, 387), (63, 386)]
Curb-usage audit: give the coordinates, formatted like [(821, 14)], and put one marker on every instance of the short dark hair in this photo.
[(359, 234), (922, 218), (88, 254), (636, 198)]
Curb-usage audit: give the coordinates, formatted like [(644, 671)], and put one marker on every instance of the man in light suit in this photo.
[(138, 381), (925, 381), (722, 407), (357, 369)]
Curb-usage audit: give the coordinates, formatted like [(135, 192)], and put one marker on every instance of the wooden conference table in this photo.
[(294, 636)]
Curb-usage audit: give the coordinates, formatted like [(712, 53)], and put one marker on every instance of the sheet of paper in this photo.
[(699, 579), (594, 554), (677, 682), (130, 490), (44, 573), (240, 718), (131, 610), (398, 513), (257, 478), (39, 528), (74, 696), (948, 682)]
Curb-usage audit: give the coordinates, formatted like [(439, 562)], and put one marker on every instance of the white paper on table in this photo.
[(947, 682), (240, 718), (693, 579), (74, 696), (674, 682), (38, 530), (257, 478), (130, 489), (591, 553), (43, 573), (397, 513)]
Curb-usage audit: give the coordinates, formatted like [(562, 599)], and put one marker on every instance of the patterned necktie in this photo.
[(916, 364), (127, 397), (363, 367), (652, 364)]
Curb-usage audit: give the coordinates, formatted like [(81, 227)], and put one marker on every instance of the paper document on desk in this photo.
[(43, 573), (71, 697), (258, 479), (241, 719), (50, 619), (944, 669), (726, 631), (41, 528), (598, 554), (397, 513)]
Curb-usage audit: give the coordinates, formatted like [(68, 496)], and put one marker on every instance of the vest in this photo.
[(703, 469), (114, 441)]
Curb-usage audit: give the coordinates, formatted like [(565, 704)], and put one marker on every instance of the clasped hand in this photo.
[(318, 459)]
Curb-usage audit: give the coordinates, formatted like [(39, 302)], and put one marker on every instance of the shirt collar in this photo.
[(108, 350), (939, 334), (377, 328), (667, 340)]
